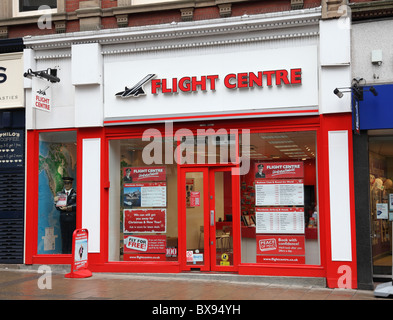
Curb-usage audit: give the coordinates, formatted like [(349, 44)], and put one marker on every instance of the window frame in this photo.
[(17, 13)]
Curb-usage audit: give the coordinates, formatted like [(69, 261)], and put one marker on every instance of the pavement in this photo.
[(47, 284)]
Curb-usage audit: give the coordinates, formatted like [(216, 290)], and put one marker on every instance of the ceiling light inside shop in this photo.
[(297, 156), (275, 136), (292, 149), (281, 142), (287, 146)]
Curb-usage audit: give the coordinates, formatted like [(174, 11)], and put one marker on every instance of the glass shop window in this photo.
[(142, 204), (279, 207), (381, 203), (56, 192)]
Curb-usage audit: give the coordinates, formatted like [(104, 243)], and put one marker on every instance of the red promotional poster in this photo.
[(280, 244), (139, 174), (195, 199), (144, 257), (79, 254), (145, 244), (279, 170), (144, 220)]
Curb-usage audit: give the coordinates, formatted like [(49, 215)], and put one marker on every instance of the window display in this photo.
[(278, 205), (56, 192), (143, 224), (279, 200)]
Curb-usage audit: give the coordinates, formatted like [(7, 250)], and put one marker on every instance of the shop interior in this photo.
[(381, 201)]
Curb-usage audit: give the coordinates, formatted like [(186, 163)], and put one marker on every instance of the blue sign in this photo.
[(376, 112)]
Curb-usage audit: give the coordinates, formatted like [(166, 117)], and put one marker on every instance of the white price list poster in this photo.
[(153, 195), (283, 192), (280, 220), (145, 194)]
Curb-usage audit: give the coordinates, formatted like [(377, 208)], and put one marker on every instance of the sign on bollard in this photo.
[(79, 265)]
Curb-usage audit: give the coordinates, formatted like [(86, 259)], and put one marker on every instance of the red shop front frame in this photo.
[(99, 261)]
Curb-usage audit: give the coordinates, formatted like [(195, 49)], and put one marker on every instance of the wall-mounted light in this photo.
[(338, 93), (356, 89), (48, 74), (373, 91)]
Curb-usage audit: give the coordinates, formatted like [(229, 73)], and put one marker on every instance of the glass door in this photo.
[(207, 219), (221, 217)]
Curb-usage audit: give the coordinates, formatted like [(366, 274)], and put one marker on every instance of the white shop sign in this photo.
[(235, 82)]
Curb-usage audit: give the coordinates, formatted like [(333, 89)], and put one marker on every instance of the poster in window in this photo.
[(195, 199), (283, 192), (280, 220), (382, 211), (145, 244), (190, 185), (281, 244), (140, 174), (144, 220), (146, 194), (279, 170)]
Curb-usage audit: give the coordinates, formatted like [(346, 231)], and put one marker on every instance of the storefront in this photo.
[(12, 151), (374, 184), (196, 146), (372, 145)]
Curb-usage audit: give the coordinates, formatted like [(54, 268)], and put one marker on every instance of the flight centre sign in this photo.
[(208, 82), (213, 83)]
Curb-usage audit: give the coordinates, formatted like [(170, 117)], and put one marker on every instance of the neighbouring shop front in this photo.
[(373, 185), (12, 151), (196, 155)]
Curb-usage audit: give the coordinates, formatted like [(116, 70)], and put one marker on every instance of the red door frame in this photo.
[(210, 229)]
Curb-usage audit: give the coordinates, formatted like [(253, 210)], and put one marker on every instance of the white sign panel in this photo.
[(41, 94), (11, 80), (229, 83)]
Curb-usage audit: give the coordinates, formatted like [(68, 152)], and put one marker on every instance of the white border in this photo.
[(91, 194), (340, 211)]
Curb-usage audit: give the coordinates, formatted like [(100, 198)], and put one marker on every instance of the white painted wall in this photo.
[(366, 37), (335, 67)]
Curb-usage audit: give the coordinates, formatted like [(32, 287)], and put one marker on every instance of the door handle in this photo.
[(211, 218)]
